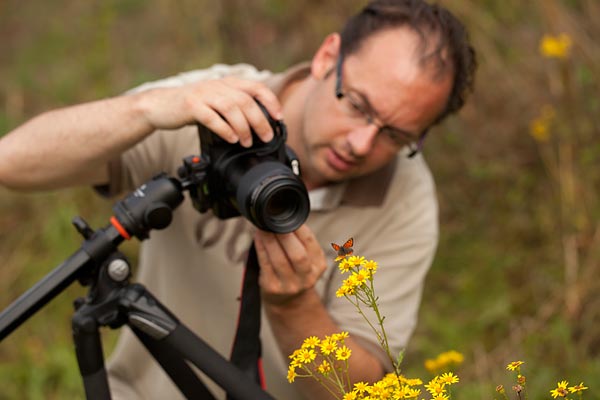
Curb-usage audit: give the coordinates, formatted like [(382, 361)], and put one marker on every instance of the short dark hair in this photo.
[(428, 21)]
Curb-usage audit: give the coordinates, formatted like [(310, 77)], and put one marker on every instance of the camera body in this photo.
[(261, 183)]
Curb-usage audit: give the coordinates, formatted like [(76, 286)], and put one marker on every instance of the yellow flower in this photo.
[(561, 390), (431, 365), (349, 396), (514, 365), (406, 392), (291, 375), (311, 342), (577, 388), (563, 384), (376, 390), (371, 266), (538, 129), (413, 382), (360, 277), (343, 353), (343, 291), (440, 397), (340, 336), (435, 387), (410, 393), (344, 266), (360, 387), (356, 260), (324, 368), (448, 378), (306, 356), (556, 46), (444, 360), (348, 288), (327, 346)]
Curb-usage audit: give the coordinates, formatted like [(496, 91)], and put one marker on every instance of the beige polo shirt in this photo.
[(194, 267)]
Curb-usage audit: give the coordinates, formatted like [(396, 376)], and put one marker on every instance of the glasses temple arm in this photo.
[(419, 145), (338, 78)]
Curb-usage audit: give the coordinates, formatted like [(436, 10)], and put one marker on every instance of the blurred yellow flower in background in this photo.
[(539, 128), (514, 366), (556, 46), (444, 361)]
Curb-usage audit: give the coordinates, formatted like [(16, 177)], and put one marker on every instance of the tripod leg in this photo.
[(90, 357), (237, 384), (178, 370), (152, 318)]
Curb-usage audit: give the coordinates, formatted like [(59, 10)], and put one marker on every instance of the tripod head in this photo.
[(148, 207)]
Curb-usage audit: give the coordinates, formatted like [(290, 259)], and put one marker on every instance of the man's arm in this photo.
[(72, 146), (290, 265)]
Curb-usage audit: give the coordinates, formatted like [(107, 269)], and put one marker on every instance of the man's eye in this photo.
[(394, 135), (354, 107)]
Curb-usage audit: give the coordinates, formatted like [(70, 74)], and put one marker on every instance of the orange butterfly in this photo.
[(343, 250)]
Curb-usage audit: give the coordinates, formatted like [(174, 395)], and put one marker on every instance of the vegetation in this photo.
[(515, 277)]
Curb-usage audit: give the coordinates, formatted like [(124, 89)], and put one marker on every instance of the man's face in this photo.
[(336, 141)]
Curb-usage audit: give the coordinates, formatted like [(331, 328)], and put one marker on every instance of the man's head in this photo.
[(397, 68), (444, 43)]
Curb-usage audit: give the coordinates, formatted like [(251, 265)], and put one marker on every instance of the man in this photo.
[(356, 117)]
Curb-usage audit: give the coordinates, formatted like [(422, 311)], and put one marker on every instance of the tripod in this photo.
[(114, 301)]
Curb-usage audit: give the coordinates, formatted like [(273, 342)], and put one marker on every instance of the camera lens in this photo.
[(273, 198)]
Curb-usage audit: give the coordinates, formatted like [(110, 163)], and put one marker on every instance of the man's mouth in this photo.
[(339, 162)]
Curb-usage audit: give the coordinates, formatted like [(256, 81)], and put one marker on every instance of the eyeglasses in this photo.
[(356, 106)]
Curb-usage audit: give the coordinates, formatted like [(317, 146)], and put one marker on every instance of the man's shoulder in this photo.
[(217, 71)]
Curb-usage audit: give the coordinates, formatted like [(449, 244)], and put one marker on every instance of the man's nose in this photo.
[(362, 139)]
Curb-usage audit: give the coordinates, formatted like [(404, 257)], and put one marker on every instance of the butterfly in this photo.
[(343, 250)]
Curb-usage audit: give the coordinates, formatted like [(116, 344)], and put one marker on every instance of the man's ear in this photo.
[(326, 56)]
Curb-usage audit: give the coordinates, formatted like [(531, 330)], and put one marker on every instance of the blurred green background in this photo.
[(516, 273)]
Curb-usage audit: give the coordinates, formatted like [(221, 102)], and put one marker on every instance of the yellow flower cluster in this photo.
[(319, 358), (390, 386), (361, 272), (438, 386), (539, 128), (326, 360), (556, 46), (444, 361)]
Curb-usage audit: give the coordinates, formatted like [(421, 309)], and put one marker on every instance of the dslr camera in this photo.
[(261, 183)]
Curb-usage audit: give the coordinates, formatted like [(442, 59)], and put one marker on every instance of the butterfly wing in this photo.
[(349, 243)]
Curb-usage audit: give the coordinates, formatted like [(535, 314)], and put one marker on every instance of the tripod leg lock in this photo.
[(147, 314)]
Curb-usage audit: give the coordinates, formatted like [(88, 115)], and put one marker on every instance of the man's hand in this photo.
[(225, 106), (290, 264)]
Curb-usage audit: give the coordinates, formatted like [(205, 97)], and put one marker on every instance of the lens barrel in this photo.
[(272, 197)]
